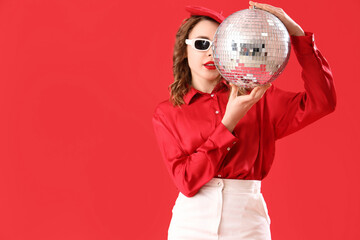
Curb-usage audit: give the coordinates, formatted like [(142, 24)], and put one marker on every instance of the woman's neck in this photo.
[(205, 86)]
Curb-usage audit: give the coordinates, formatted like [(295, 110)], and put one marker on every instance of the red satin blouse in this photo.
[(197, 147)]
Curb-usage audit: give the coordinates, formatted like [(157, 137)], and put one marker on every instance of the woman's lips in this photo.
[(210, 65)]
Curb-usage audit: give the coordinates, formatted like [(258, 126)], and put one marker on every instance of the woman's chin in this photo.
[(213, 77)]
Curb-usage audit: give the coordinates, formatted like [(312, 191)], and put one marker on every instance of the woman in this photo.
[(218, 140)]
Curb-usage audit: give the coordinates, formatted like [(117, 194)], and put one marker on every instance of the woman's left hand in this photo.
[(293, 28)]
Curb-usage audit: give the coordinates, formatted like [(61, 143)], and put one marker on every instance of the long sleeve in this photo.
[(293, 111), (191, 171)]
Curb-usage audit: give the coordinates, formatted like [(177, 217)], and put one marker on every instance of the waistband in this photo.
[(235, 185)]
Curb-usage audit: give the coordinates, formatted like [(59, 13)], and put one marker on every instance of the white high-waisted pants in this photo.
[(223, 209)]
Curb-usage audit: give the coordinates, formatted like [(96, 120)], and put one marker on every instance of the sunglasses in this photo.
[(199, 44)]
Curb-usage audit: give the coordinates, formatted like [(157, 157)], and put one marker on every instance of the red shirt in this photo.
[(197, 147)]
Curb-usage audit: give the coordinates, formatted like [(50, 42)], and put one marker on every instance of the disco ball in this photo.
[(251, 48)]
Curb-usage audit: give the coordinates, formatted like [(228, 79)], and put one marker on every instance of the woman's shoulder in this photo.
[(165, 108)]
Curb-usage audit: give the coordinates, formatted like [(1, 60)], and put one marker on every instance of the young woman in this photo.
[(218, 140)]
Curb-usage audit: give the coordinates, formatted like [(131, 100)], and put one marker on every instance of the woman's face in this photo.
[(198, 59)]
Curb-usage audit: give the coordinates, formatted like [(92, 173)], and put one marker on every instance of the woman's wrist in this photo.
[(228, 124), (299, 33)]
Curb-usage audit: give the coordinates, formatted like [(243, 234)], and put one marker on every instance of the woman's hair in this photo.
[(181, 69)]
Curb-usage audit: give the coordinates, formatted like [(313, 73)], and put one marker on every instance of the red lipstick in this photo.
[(210, 65)]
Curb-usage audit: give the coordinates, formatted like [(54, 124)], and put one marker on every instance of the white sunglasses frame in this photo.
[(191, 42)]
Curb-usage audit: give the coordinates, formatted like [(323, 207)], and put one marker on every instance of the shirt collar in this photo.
[(192, 92)]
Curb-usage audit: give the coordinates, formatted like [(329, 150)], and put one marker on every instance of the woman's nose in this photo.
[(210, 51)]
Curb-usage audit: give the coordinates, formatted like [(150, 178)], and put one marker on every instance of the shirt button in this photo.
[(216, 112), (219, 183), (219, 175), (212, 95), (228, 149), (234, 142)]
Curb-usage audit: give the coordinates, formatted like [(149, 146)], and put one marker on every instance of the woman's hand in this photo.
[(238, 106), (293, 28)]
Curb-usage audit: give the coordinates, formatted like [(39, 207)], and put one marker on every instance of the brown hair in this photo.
[(181, 69)]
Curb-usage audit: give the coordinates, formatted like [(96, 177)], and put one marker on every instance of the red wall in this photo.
[(79, 81)]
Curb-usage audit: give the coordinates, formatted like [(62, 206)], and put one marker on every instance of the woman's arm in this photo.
[(292, 111), (191, 171)]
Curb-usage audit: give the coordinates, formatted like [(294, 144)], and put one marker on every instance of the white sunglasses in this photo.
[(199, 44)]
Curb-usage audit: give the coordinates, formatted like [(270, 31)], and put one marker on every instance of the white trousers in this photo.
[(223, 209)]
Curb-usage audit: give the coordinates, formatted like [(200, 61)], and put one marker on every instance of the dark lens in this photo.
[(202, 44)]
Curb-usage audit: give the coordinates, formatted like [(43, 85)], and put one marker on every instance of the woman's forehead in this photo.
[(204, 29)]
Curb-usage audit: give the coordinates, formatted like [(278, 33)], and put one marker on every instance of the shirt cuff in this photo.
[(223, 138), (303, 45)]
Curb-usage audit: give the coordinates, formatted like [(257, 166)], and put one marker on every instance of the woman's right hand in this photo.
[(238, 106)]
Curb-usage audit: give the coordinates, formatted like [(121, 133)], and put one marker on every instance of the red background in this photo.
[(79, 81)]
